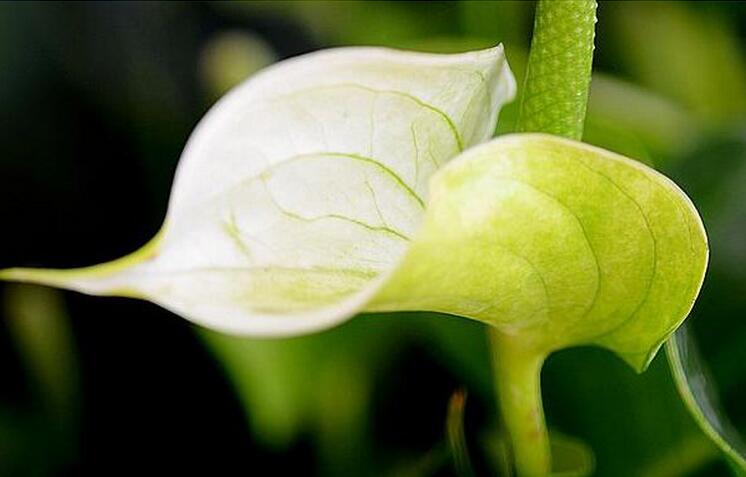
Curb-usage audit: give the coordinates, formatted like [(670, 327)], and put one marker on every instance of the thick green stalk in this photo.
[(555, 92), (517, 370), (555, 96)]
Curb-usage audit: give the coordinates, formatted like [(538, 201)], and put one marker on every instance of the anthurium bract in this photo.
[(364, 179), (304, 186)]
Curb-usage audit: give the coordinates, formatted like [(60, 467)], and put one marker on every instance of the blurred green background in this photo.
[(96, 103)]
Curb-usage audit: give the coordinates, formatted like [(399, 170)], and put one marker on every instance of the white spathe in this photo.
[(300, 190)]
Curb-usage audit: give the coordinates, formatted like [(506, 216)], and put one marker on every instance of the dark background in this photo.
[(96, 103)]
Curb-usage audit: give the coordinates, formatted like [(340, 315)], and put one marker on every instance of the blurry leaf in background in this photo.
[(231, 57), (41, 438), (635, 424), (271, 378), (322, 385), (509, 20), (686, 52), (719, 174), (355, 22), (696, 388), (40, 326), (318, 385), (639, 123)]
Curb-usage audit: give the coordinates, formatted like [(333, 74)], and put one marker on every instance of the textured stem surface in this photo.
[(555, 92)]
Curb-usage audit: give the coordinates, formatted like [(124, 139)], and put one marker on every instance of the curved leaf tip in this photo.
[(303, 187)]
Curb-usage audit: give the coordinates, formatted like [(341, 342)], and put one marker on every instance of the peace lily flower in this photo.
[(364, 179)]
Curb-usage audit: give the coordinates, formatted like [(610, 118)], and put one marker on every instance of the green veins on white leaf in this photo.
[(303, 187)]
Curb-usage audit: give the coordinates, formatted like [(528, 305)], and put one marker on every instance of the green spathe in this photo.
[(558, 243)]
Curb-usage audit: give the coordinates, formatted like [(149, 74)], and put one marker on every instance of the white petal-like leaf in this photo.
[(302, 188)]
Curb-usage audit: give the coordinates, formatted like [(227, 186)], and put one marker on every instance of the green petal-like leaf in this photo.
[(559, 242), (303, 187), (697, 391)]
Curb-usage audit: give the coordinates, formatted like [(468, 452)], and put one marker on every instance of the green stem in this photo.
[(517, 371), (555, 97), (555, 92)]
